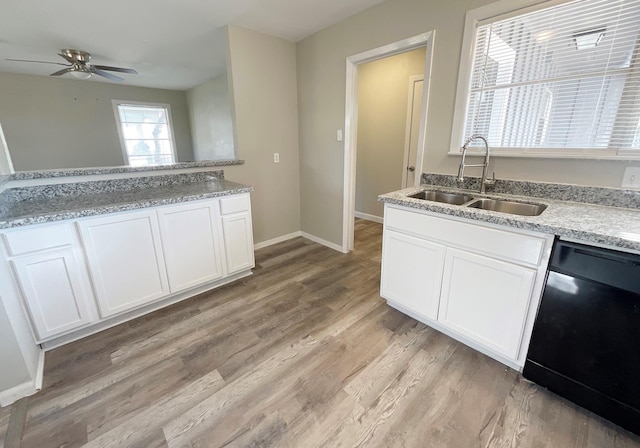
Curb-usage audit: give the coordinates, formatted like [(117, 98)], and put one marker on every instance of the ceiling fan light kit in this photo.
[(81, 67), (79, 74)]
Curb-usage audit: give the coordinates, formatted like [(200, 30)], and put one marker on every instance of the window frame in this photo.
[(493, 12), (123, 145)]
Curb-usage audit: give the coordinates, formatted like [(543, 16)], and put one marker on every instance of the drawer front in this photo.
[(234, 204), (497, 243), (31, 240)]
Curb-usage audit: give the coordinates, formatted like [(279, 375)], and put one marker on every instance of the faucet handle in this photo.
[(491, 181)]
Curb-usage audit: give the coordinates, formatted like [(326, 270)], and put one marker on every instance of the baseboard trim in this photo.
[(326, 243), (369, 217), (39, 380), (27, 389), (276, 240), (14, 394)]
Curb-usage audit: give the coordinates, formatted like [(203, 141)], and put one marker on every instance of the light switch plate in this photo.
[(631, 178)]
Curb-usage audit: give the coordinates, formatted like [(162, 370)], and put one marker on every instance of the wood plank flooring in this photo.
[(304, 353)]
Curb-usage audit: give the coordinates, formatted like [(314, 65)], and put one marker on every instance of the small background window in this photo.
[(146, 134)]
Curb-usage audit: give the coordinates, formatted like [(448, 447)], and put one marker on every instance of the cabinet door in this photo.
[(191, 245), (53, 292), (238, 241), (412, 272), (486, 300), (125, 260)]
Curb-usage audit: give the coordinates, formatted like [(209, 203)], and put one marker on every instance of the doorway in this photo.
[(351, 121), (385, 120)]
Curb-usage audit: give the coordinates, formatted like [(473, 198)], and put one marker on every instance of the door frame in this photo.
[(351, 120), (407, 131)]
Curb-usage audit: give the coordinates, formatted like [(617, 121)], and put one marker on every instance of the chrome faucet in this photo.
[(485, 165)]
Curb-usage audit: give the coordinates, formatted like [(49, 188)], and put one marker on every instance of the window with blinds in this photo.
[(558, 81), (146, 134)]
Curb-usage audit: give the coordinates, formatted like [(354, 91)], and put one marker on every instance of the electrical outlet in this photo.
[(339, 135), (631, 178), (276, 157)]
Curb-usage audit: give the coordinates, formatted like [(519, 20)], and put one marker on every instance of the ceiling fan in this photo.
[(81, 66)]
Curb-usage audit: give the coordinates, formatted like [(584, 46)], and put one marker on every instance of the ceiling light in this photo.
[(80, 74), (589, 38)]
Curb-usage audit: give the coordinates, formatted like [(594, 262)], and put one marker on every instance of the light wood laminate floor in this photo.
[(304, 353)]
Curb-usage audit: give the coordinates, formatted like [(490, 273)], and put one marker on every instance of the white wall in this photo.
[(66, 123), (20, 357), (321, 90), (211, 120), (262, 71), (6, 165), (14, 370), (383, 94)]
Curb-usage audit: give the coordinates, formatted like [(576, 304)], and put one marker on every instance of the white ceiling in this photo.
[(173, 44)]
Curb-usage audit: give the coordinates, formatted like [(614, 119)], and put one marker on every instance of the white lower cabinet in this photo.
[(476, 282), (77, 277), (486, 300), (53, 292), (191, 242), (412, 272), (238, 241), (125, 260), (238, 232)]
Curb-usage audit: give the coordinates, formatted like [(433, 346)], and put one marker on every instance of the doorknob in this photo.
[(411, 168)]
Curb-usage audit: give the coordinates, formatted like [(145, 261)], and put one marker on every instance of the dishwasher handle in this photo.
[(609, 267), (608, 255)]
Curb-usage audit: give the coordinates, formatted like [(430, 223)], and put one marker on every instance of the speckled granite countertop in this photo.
[(21, 213), (46, 174), (612, 226)]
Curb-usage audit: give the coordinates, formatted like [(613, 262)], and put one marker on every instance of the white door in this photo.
[(125, 260), (412, 272), (191, 244), (53, 292), (486, 300), (238, 241), (412, 134)]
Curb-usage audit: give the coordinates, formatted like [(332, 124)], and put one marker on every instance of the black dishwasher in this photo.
[(585, 344)]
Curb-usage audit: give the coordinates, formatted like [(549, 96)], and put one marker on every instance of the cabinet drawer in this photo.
[(234, 204), (498, 243), (41, 238)]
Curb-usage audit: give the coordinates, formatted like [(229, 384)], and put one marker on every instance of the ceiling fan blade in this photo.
[(61, 72), (104, 74), (39, 62), (69, 59), (116, 69)]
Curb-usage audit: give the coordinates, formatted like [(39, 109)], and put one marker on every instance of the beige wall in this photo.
[(211, 121), (263, 78), (321, 90), (66, 123), (383, 93)]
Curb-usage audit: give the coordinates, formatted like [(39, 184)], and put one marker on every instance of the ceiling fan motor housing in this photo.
[(81, 57)]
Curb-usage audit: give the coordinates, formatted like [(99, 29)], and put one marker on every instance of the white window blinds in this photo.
[(560, 79)]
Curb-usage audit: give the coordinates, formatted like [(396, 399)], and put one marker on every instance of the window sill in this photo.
[(552, 154)]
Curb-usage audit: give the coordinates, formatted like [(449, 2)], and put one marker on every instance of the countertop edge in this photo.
[(57, 173), (514, 221), (118, 207)]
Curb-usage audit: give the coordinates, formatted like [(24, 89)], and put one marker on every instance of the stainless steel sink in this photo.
[(441, 196), (510, 207)]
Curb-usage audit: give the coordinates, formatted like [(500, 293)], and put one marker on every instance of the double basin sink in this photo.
[(495, 205)]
